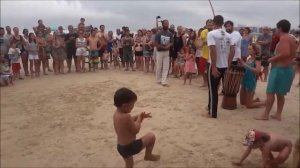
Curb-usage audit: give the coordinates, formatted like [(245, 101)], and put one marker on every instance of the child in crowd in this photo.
[(33, 56), (115, 52), (189, 67), (252, 70), (5, 75), (127, 126), (105, 58), (179, 64), (93, 43), (81, 51), (14, 56), (267, 143)]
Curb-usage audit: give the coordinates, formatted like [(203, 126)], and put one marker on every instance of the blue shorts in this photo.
[(94, 54), (280, 80)]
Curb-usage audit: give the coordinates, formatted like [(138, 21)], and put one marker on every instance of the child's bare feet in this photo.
[(152, 158)]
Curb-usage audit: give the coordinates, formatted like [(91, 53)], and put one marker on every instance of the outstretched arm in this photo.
[(244, 156)]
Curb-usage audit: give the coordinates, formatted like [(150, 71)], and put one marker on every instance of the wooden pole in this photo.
[(212, 8)]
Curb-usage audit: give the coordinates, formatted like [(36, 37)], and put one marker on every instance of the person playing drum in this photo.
[(252, 70)]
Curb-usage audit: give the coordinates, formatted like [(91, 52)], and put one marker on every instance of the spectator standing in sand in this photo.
[(4, 43), (264, 41), (203, 61), (70, 39), (8, 34), (127, 43), (24, 54), (163, 42), (59, 53), (246, 41), (103, 39), (282, 73), (221, 54)]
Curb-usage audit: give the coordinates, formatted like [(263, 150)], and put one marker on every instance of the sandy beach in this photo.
[(66, 121)]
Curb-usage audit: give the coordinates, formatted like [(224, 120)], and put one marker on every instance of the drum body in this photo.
[(232, 82)]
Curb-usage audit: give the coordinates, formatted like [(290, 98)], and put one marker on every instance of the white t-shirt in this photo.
[(14, 55), (222, 41), (118, 39), (236, 39)]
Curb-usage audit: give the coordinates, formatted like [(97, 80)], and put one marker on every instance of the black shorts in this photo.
[(71, 53), (101, 51), (131, 149), (172, 54), (265, 63), (138, 53)]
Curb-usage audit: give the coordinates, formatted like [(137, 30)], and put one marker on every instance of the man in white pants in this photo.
[(163, 42)]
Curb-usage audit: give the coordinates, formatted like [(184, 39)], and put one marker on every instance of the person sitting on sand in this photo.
[(127, 126), (267, 143), (252, 70)]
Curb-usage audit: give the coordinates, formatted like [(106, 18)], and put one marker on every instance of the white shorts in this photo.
[(33, 57), (81, 51)]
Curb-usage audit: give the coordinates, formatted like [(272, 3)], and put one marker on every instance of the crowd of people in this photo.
[(208, 52)]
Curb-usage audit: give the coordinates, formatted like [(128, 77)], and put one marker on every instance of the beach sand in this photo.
[(66, 121)]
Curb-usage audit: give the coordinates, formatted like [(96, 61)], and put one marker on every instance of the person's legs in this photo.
[(269, 104), (184, 78), (148, 143), (44, 65), (24, 58), (82, 63), (190, 76), (69, 64), (159, 66), (282, 156), (213, 93), (31, 62), (147, 60), (77, 64), (266, 72), (61, 66), (129, 162), (165, 67), (152, 64), (38, 65), (250, 103), (243, 96), (280, 104)]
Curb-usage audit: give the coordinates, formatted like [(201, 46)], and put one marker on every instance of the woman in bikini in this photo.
[(148, 51), (138, 50)]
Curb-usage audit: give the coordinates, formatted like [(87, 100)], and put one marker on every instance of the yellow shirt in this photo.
[(205, 49)]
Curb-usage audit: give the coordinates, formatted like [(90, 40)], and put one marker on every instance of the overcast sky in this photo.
[(141, 14)]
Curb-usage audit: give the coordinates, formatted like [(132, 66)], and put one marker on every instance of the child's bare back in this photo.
[(277, 143), (121, 123), (127, 126)]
